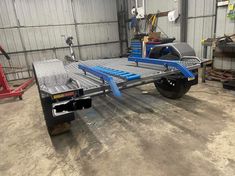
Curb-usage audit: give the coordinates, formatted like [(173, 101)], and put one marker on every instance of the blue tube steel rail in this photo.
[(119, 73), (176, 64), (103, 76)]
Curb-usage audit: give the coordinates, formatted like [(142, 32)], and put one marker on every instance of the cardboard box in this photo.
[(146, 39), (154, 35)]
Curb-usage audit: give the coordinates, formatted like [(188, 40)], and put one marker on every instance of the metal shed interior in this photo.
[(149, 95), (34, 30)]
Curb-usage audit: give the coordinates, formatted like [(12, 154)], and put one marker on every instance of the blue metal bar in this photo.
[(103, 76), (123, 74), (176, 64)]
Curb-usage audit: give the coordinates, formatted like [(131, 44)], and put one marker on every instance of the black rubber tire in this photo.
[(172, 89)]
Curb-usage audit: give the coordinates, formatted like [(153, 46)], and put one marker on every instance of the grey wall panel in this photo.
[(7, 17), (199, 22), (224, 24), (88, 11), (152, 6), (221, 21), (201, 19), (199, 29), (190, 32), (40, 55), (10, 40), (98, 33), (29, 26), (201, 7), (47, 37), (101, 51), (191, 8), (61, 53), (209, 7), (4, 61), (172, 29), (44, 12), (198, 8), (43, 22), (208, 32)]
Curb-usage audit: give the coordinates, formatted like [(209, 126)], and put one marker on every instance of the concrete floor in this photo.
[(142, 135)]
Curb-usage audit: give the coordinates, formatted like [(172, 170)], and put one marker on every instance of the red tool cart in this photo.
[(5, 90)]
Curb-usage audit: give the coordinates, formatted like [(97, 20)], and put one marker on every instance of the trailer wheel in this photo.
[(172, 89)]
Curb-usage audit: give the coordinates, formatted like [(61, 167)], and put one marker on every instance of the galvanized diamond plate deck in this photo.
[(148, 72)]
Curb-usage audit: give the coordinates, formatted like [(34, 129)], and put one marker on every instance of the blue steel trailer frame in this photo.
[(103, 77), (176, 64), (59, 84), (104, 73)]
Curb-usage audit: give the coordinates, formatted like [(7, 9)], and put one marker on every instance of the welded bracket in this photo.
[(166, 63), (104, 77)]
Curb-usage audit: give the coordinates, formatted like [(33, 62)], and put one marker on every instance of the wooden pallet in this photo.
[(220, 75)]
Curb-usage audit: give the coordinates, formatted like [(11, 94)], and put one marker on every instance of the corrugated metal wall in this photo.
[(224, 26), (201, 24), (122, 8), (172, 29), (32, 30), (201, 19)]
